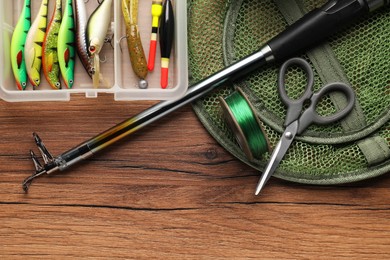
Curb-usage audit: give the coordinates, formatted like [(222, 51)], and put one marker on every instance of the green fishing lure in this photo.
[(50, 64), (33, 46), (66, 45), (17, 46)]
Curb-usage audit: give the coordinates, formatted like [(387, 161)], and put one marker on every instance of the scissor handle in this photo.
[(310, 115), (295, 105)]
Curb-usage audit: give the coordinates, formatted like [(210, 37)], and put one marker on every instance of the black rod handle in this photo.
[(318, 24)]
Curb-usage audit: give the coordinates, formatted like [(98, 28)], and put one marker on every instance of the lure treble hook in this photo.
[(109, 39)]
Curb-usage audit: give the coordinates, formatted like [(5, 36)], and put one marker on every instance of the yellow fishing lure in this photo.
[(33, 46)]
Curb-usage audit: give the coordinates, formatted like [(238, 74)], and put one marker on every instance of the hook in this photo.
[(103, 60), (120, 40), (100, 1), (109, 39)]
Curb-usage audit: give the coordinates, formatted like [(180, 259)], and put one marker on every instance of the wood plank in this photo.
[(169, 191)]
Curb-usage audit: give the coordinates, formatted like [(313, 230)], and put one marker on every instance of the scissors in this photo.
[(298, 119)]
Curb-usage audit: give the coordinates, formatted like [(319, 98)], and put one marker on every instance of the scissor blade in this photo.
[(277, 155)]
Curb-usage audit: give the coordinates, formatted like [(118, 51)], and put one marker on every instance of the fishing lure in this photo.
[(134, 44), (156, 13), (33, 46), (167, 28), (97, 28), (66, 45), (17, 46), (50, 64), (81, 40)]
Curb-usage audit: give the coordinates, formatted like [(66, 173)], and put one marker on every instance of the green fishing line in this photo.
[(245, 125)]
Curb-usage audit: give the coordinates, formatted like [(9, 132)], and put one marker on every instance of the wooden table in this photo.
[(169, 191)]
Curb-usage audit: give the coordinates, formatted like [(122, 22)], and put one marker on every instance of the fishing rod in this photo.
[(315, 26)]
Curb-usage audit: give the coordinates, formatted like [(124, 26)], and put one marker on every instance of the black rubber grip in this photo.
[(316, 26)]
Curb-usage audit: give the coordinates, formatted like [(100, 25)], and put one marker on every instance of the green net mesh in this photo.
[(222, 31)]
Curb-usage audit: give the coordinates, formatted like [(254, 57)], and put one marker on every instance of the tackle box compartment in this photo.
[(118, 76)]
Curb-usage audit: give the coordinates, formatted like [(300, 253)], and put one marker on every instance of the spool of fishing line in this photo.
[(241, 118)]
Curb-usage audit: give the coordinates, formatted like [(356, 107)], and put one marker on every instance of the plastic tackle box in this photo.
[(119, 78)]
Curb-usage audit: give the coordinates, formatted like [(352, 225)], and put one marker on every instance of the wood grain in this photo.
[(169, 191)]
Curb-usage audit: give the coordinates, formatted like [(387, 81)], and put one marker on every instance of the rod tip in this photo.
[(26, 184), (25, 187)]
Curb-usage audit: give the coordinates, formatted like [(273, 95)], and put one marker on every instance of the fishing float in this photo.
[(157, 9), (166, 34)]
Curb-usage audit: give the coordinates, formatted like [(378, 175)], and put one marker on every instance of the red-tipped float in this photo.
[(166, 33), (156, 13)]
